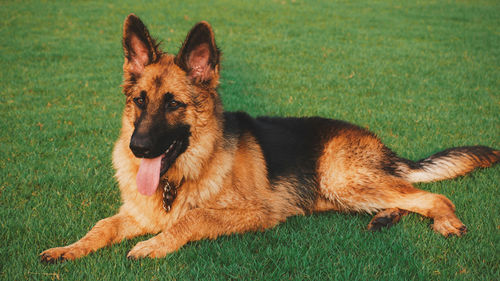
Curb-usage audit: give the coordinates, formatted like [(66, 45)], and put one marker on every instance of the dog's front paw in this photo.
[(156, 247), (60, 254)]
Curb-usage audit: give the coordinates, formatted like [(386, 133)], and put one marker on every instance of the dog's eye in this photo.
[(140, 102), (173, 104)]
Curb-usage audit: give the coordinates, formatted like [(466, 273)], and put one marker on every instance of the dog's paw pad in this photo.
[(450, 226)]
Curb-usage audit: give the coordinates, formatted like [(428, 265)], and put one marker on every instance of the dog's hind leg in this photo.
[(393, 196), (105, 232), (355, 172), (435, 206)]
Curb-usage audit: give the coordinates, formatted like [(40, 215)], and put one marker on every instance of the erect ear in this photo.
[(138, 46), (199, 55)]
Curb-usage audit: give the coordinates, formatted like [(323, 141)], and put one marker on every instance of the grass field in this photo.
[(423, 75)]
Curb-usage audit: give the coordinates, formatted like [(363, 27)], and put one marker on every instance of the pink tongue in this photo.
[(148, 175)]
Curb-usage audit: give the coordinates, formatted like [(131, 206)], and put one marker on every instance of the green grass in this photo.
[(423, 75)]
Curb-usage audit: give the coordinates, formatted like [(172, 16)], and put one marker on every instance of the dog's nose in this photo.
[(141, 146)]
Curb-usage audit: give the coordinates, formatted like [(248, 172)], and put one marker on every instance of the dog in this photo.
[(188, 170)]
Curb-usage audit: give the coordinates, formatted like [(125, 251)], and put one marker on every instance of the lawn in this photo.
[(423, 75)]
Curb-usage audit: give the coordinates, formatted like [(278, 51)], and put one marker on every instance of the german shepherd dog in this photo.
[(187, 170)]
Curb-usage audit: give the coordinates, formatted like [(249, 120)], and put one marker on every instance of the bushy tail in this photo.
[(449, 163)]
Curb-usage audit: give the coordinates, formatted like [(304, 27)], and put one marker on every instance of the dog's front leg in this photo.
[(202, 223), (105, 232)]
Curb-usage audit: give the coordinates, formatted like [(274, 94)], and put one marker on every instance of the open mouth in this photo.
[(151, 170), (169, 156)]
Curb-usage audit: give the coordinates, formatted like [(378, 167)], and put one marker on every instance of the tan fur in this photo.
[(225, 187), (450, 167)]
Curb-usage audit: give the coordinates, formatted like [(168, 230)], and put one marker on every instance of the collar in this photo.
[(169, 193)]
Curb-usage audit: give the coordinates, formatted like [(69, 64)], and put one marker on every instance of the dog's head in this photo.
[(167, 95)]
